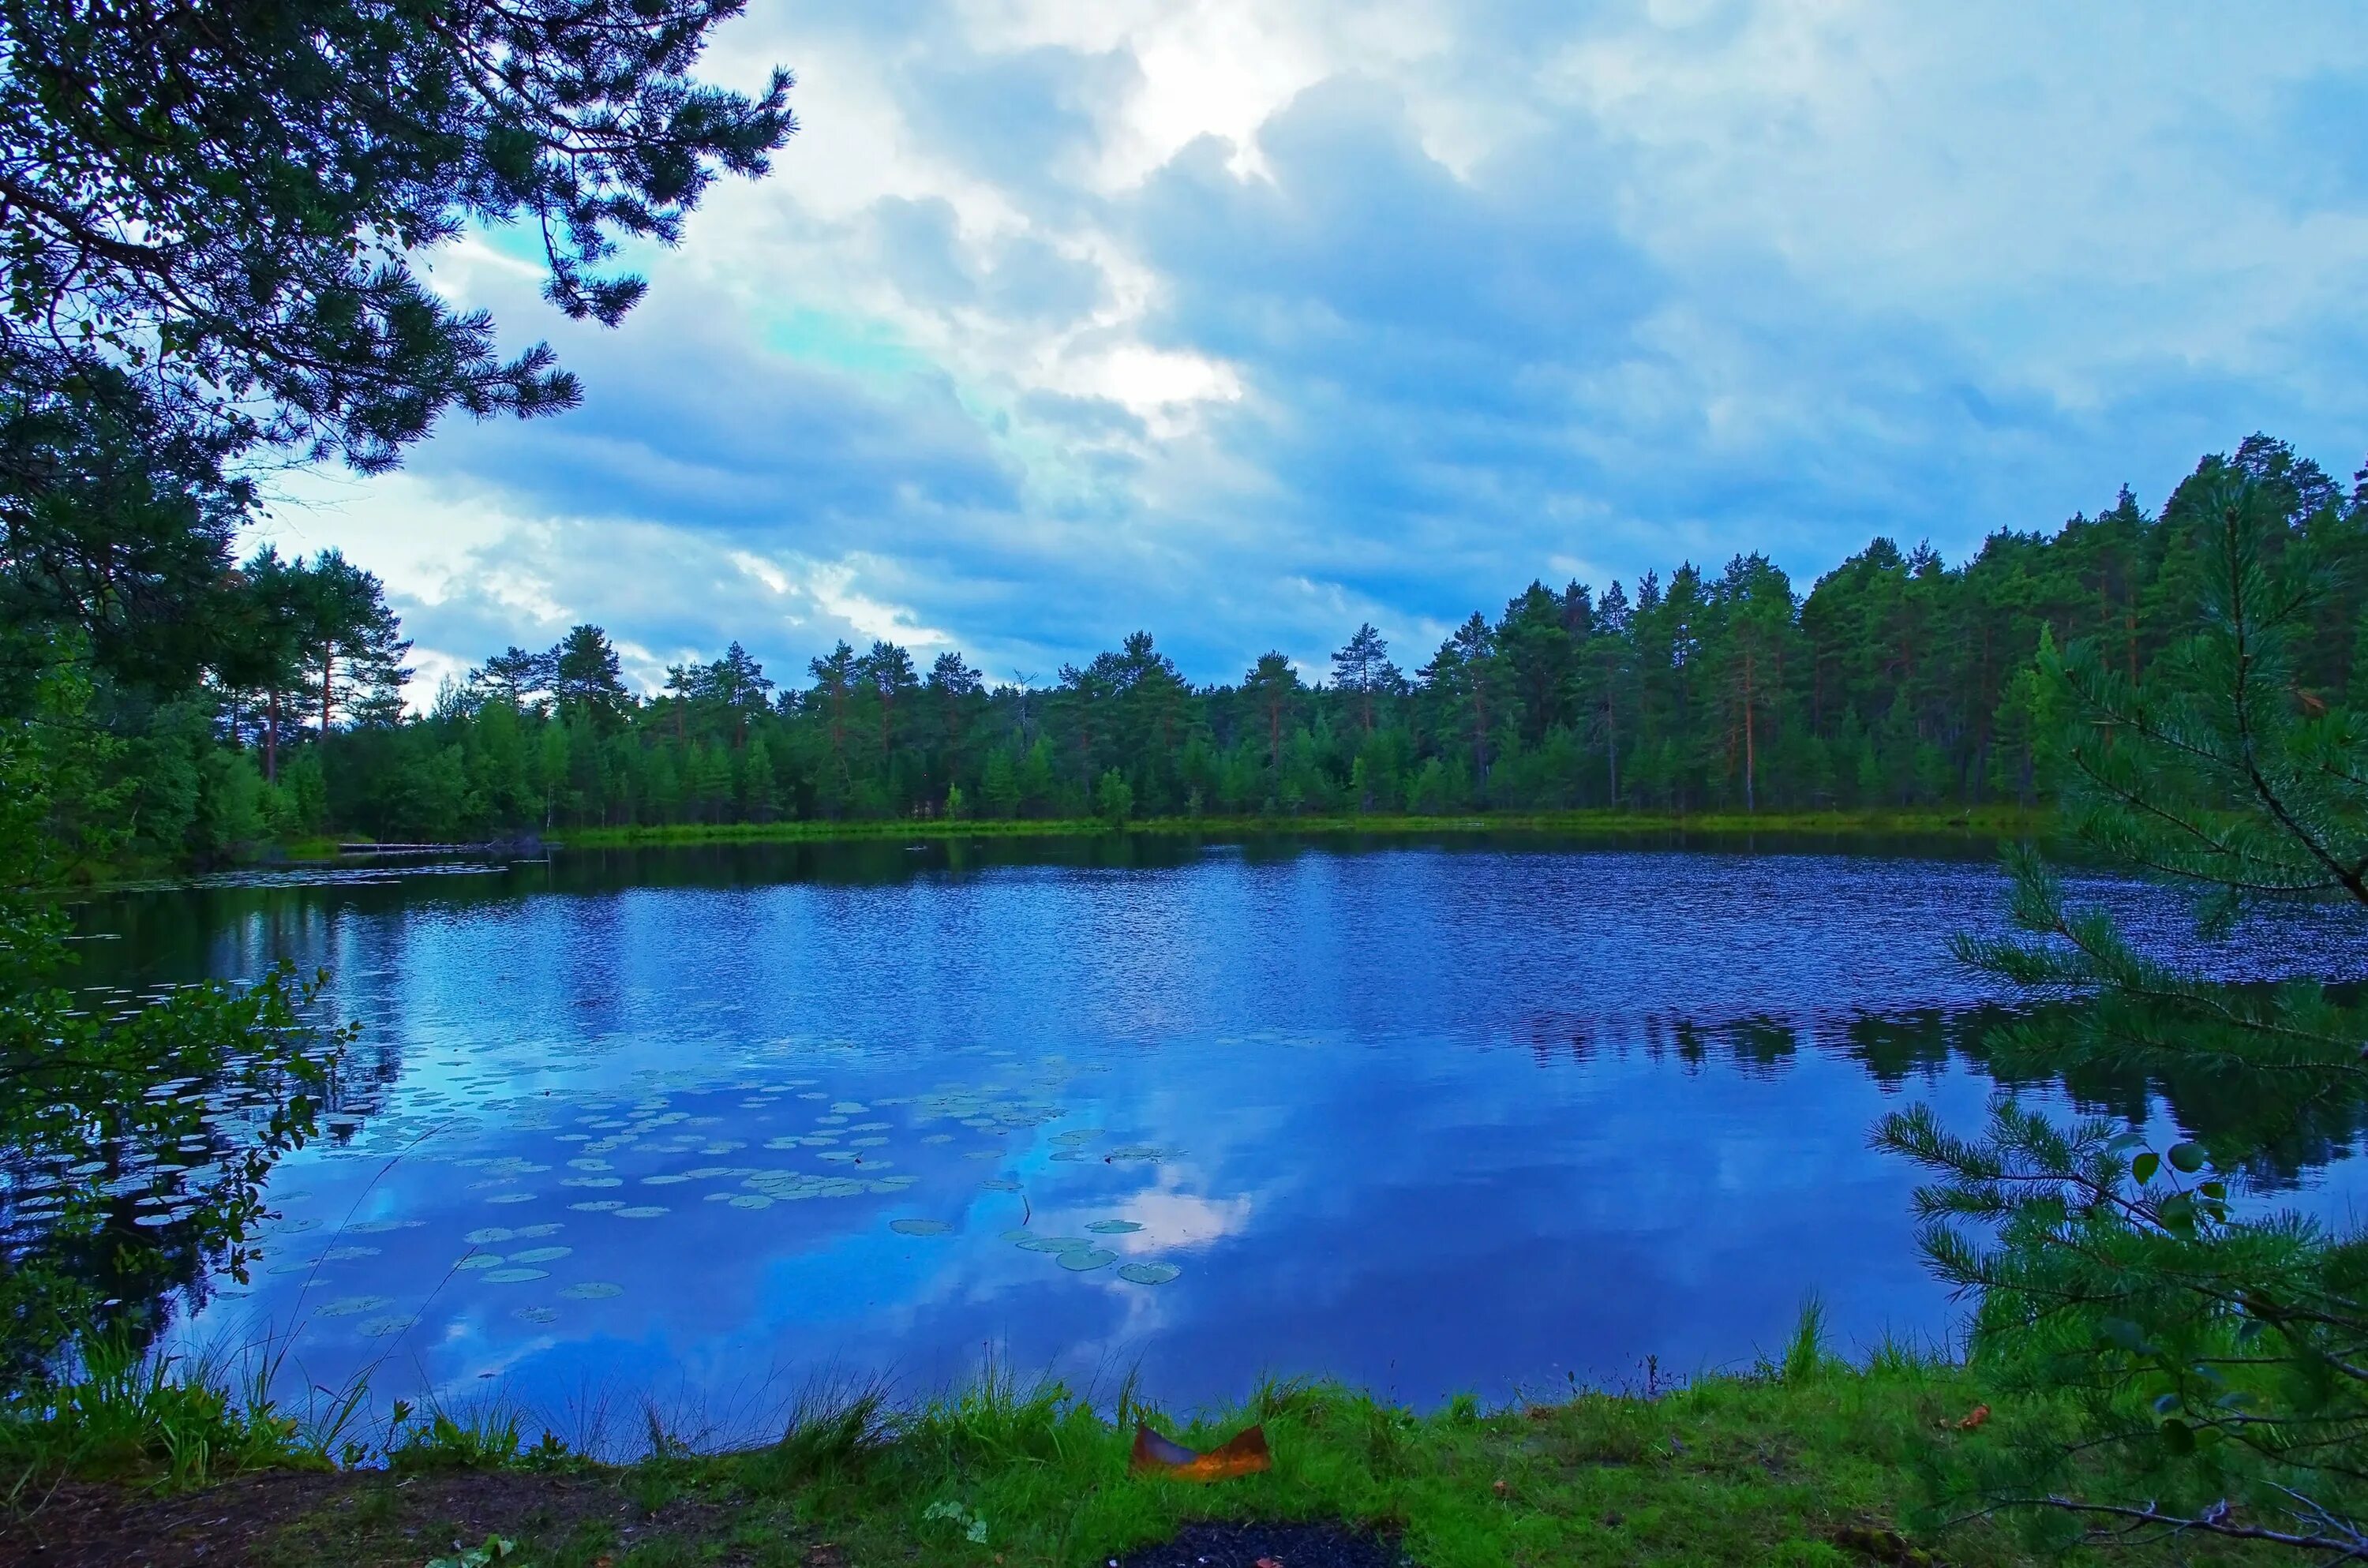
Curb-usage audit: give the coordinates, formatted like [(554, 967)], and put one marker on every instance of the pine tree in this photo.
[(2216, 1360)]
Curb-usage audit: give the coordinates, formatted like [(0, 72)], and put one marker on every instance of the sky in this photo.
[(1242, 322)]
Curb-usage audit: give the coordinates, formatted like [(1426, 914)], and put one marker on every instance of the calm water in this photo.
[(1428, 1117)]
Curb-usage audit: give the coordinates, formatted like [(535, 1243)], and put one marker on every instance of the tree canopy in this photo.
[(1896, 680)]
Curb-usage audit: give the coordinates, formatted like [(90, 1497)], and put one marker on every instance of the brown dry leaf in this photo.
[(1244, 1455)]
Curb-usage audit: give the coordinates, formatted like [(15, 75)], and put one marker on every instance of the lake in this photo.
[(1488, 1114)]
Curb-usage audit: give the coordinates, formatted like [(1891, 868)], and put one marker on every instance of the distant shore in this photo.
[(1975, 824), (1985, 822)]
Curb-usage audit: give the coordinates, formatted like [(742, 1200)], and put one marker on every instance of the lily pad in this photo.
[(592, 1291), (1113, 1227), (748, 1201), (487, 1235), (1080, 1259), (539, 1254), (1054, 1243), (374, 1227), (643, 1211), (537, 1314), (515, 1276), (482, 1260), (600, 1206), (1148, 1273), (349, 1306), (512, 1197), (919, 1227)]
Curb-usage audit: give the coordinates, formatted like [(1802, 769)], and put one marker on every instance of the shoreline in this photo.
[(1989, 822), (1983, 824), (1805, 1458)]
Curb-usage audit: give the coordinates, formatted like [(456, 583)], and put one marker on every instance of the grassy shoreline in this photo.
[(1975, 825), (1985, 822), (1807, 1460)]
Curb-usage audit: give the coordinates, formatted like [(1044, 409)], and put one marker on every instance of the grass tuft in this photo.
[(1805, 1353), (119, 1413)]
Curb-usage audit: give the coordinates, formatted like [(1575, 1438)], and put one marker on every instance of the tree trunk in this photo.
[(271, 740), (328, 690), (1750, 804), (1612, 744)]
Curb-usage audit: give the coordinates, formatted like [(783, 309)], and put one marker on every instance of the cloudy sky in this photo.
[(1243, 320)]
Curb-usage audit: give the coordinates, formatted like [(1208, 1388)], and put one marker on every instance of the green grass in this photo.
[(163, 1421), (1980, 822), (1764, 1469), (1806, 1459)]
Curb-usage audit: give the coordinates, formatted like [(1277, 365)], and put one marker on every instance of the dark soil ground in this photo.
[(362, 1518), (1284, 1546), (379, 1521)]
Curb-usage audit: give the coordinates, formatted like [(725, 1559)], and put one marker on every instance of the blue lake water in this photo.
[(1485, 1115)]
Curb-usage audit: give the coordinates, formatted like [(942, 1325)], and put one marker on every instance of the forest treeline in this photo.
[(1898, 680)]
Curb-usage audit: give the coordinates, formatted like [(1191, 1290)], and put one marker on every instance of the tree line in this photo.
[(265, 698), (1896, 680)]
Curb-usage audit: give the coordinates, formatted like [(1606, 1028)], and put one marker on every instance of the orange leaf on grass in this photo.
[(1156, 1455)]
